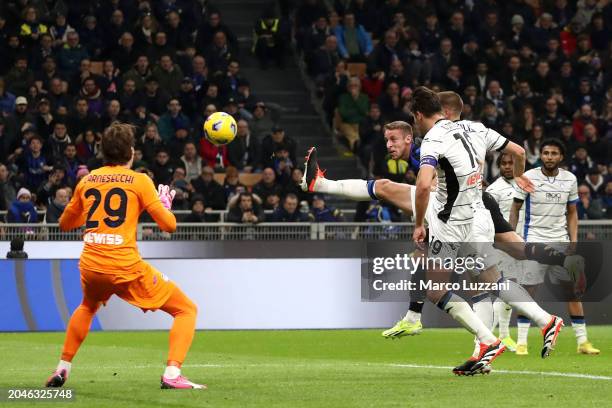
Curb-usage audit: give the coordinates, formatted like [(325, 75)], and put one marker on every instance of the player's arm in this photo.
[(74, 213), (517, 204), (153, 205), (572, 222), (423, 189), (519, 160)]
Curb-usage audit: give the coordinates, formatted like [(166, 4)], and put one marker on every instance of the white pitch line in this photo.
[(525, 372), (332, 365)]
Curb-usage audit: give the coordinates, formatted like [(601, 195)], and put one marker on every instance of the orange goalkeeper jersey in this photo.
[(109, 202)]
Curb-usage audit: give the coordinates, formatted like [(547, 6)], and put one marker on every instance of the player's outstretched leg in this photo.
[(78, 328), (410, 324), (184, 312), (490, 346)]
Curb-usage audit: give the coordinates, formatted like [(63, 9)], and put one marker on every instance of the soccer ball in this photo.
[(220, 128)]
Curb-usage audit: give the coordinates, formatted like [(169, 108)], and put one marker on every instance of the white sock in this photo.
[(503, 313), (64, 365), (172, 372), (517, 297), (523, 329), (353, 189), (412, 317), (462, 313), (483, 308), (579, 326)]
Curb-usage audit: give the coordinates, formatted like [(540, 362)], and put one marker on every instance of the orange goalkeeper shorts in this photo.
[(144, 287)]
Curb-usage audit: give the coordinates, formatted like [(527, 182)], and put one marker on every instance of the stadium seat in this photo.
[(357, 69)]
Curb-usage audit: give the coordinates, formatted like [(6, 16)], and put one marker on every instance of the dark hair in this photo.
[(501, 157), (290, 195), (426, 101), (553, 142), (117, 143)]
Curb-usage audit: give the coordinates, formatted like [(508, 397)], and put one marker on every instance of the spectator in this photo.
[(219, 54), (7, 99), (268, 41), (589, 208), (22, 210), (70, 163), (370, 132), (82, 119), (385, 52), (207, 187), (213, 155), (231, 183), (91, 36), (567, 136), (324, 60), (71, 55), (595, 182), (600, 150), (294, 186), (198, 211), (54, 148), (92, 93), (31, 29), (352, 109), (192, 162), (7, 188), (207, 31), (272, 202), (373, 83), (155, 99), (282, 164), (262, 122), (354, 42), (19, 77), (245, 209), (320, 212), (314, 36), (270, 145), (168, 74), (532, 146), (57, 205), (173, 122), (22, 117), (289, 211), (163, 167), (553, 120), (33, 164), (267, 185), (47, 190), (442, 59), (244, 151), (581, 162), (150, 142)]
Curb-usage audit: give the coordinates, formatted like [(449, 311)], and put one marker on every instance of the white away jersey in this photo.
[(503, 191), (457, 150), (545, 210)]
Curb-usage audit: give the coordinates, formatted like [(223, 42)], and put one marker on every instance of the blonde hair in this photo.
[(452, 101), (399, 124)]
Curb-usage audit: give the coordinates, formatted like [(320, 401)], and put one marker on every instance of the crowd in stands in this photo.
[(530, 69), (527, 68), (68, 69)]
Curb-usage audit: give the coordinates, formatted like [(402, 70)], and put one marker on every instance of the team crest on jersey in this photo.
[(553, 197)]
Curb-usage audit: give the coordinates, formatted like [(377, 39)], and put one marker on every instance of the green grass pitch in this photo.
[(311, 368)]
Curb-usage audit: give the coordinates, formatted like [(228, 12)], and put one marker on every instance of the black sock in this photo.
[(543, 254), (416, 307)]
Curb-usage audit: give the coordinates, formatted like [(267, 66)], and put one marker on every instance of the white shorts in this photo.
[(446, 240), (535, 272), (480, 242)]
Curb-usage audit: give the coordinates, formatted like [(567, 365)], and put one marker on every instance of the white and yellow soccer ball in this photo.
[(220, 128)]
